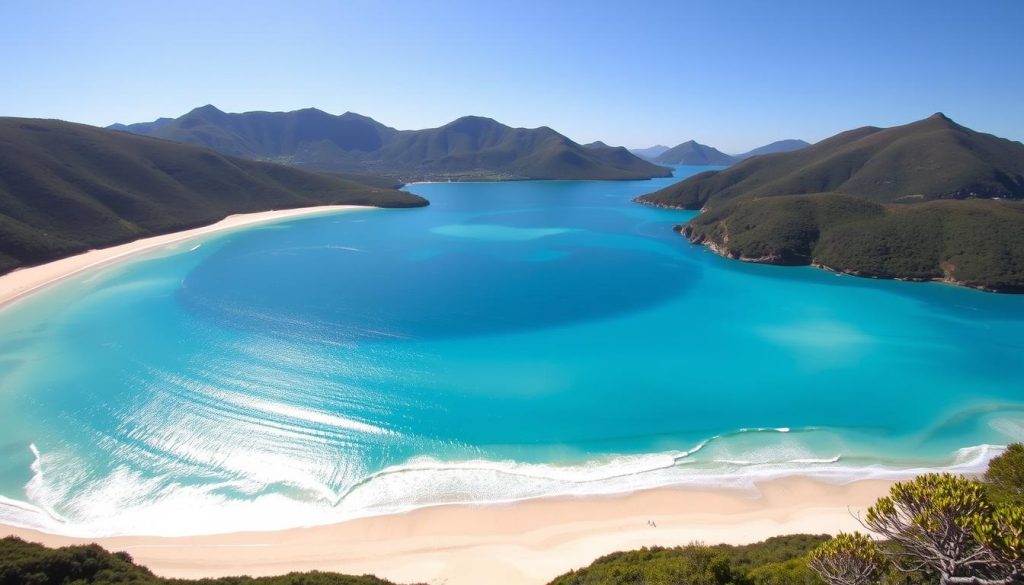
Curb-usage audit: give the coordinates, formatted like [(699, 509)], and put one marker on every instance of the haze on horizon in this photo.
[(734, 76)]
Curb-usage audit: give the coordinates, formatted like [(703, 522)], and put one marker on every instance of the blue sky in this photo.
[(732, 74)]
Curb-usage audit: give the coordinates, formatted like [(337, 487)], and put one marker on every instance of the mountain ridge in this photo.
[(929, 200), (787, 145), (470, 147)]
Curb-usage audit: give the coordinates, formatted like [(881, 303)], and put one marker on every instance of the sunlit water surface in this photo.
[(512, 340)]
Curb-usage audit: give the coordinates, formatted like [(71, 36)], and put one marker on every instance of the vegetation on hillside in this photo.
[(471, 147), (775, 561), (976, 243), (939, 525), (923, 523), (28, 563), (1004, 478), (924, 201), (66, 188), (934, 158)]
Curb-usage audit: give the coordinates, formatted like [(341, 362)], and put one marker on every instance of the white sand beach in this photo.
[(525, 543), (19, 283)]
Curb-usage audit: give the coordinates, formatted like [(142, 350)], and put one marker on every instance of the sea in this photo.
[(511, 341)]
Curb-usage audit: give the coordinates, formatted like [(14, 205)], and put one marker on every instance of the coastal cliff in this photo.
[(973, 243)]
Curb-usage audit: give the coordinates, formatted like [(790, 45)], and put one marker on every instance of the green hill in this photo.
[(934, 158), (468, 148), (976, 243), (694, 153), (66, 188), (872, 202)]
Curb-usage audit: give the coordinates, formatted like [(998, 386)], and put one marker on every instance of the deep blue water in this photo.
[(511, 340)]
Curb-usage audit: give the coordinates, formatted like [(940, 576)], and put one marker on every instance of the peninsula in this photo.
[(931, 200), (69, 188)]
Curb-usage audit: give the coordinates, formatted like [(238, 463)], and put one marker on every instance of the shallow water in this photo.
[(512, 340)]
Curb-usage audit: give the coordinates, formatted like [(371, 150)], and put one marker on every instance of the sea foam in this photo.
[(127, 503)]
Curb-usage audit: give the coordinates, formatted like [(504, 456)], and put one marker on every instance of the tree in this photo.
[(1002, 534), (945, 524), (1005, 476), (847, 559)]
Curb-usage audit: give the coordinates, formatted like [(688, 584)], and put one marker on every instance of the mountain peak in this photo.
[(207, 109), (692, 152), (470, 146), (473, 124), (474, 120)]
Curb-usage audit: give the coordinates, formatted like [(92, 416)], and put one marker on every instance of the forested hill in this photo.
[(66, 188), (931, 200), (471, 147), (934, 158)]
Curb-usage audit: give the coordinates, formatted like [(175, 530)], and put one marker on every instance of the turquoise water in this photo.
[(512, 340)]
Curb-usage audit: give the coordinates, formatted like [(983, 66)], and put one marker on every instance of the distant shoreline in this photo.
[(25, 281), (523, 543)]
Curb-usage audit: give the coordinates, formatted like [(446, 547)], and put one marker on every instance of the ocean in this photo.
[(511, 341)]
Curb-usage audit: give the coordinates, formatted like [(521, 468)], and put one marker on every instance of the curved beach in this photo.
[(524, 543), (260, 380), (24, 281)]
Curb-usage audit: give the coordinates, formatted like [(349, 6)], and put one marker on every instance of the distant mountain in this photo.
[(934, 158), (778, 146), (649, 153), (871, 202), (66, 188), (694, 153), (596, 144), (468, 148)]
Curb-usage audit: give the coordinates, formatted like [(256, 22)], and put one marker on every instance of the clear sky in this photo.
[(733, 74)]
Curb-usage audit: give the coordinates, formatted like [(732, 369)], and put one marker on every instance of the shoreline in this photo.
[(522, 543), (24, 281), (685, 232)]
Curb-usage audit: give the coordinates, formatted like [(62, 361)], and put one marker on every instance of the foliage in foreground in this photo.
[(29, 563), (942, 525), (776, 561), (850, 559), (1004, 479)]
